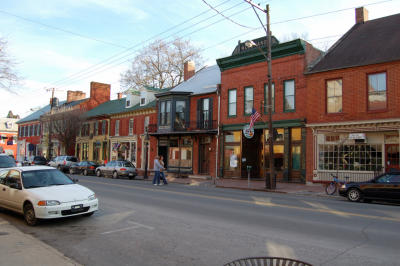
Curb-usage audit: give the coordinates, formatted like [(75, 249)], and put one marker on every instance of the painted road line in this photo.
[(256, 202)]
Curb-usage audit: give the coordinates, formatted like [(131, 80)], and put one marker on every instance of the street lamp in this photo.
[(270, 182), (146, 151)]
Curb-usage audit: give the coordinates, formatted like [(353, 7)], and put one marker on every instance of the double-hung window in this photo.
[(377, 98), (131, 126), (116, 128), (232, 102), (103, 127), (334, 96), (165, 113), (96, 128), (289, 97), (248, 100), (272, 97), (180, 108)]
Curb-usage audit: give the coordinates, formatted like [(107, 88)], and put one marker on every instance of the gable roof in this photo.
[(204, 81), (371, 42), (115, 107)]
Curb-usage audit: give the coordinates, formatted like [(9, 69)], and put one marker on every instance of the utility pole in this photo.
[(270, 182), (49, 143)]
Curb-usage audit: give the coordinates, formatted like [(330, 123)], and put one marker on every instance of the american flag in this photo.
[(254, 116)]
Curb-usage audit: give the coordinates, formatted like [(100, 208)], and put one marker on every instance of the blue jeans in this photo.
[(162, 177), (156, 179)]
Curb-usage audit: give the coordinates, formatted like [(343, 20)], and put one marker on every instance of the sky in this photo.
[(67, 44)]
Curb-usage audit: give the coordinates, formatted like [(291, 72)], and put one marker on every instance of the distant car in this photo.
[(383, 187), (63, 162), (117, 169), (7, 161), (35, 160), (84, 167), (42, 192)]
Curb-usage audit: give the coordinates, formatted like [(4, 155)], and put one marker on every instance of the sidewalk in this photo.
[(254, 185), (19, 249)]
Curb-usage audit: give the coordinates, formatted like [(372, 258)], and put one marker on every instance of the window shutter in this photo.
[(199, 113), (210, 113)]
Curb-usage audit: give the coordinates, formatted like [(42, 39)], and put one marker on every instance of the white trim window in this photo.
[(117, 128), (131, 126)]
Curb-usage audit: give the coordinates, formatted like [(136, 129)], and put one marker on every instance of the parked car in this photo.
[(117, 169), (7, 161), (42, 192), (383, 187), (63, 162), (35, 160), (84, 167)]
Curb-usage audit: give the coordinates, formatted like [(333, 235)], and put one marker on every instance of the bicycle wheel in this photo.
[(330, 188)]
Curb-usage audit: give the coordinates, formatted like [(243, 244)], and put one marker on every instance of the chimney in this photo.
[(119, 95), (75, 96), (361, 15), (188, 70)]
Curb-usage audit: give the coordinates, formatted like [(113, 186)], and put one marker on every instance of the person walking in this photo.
[(162, 173), (157, 168)]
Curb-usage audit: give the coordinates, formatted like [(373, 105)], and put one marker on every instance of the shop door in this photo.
[(392, 157), (163, 151), (204, 160), (251, 154)]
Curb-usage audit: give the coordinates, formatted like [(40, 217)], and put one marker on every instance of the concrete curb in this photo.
[(18, 248)]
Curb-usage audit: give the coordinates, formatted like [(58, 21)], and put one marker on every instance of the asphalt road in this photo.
[(142, 224)]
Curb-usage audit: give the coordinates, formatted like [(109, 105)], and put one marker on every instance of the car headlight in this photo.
[(92, 197), (48, 203), (343, 186)]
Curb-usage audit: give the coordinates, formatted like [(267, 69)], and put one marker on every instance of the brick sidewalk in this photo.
[(255, 185)]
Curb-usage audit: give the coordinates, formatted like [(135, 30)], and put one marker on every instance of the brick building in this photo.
[(244, 87), (8, 135), (353, 110), (33, 137), (116, 130), (187, 127)]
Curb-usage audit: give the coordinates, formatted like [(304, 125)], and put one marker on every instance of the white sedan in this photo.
[(42, 192)]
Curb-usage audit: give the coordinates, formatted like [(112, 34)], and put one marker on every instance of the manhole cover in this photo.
[(3, 233)]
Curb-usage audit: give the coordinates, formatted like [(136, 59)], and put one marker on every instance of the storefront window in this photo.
[(279, 149), (352, 157), (232, 153), (295, 134), (233, 136), (133, 153)]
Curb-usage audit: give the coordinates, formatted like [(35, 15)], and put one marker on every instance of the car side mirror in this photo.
[(16, 186)]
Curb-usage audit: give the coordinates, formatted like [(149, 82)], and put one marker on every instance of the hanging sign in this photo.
[(248, 132)]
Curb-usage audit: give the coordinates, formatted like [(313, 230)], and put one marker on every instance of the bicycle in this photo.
[(332, 186)]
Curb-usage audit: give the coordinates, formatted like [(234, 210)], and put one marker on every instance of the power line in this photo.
[(62, 30), (96, 68), (234, 22), (300, 18), (134, 46)]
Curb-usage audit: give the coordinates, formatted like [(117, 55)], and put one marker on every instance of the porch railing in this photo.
[(188, 126)]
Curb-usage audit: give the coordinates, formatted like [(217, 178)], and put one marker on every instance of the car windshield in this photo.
[(91, 163), (128, 164), (44, 178), (7, 161)]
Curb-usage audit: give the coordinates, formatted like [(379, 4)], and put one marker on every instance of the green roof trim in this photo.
[(252, 56), (262, 125), (116, 107)]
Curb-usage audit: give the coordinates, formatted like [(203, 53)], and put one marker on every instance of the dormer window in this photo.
[(128, 103), (143, 98)]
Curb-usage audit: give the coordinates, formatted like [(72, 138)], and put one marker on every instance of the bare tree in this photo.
[(66, 126), (293, 36), (8, 75), (160, 65)]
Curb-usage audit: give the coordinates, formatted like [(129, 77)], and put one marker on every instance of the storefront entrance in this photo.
[(392, 157), (252, 154)]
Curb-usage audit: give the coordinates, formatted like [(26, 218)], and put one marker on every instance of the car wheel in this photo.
[(88, 214), (85, 173), (71, 171), (29, 215), (98, 173), (115, 175), (354, 195)]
